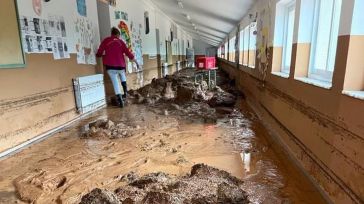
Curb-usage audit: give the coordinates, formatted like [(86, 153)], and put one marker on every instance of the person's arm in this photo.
[(129, 54), (101, 49)]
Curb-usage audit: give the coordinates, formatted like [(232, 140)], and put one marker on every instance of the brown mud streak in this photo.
[(37, 125), (314, 159), (32, 100)]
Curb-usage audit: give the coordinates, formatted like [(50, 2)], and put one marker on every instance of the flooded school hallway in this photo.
[(68, 165), (187, 101)]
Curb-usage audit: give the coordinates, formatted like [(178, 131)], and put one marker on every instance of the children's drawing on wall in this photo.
[(133, 41), (38, 35), (136, 39), (125, 36), (37, 7), (81, 7), (117, 15), (263, 40), (85, 45), (120, 15)]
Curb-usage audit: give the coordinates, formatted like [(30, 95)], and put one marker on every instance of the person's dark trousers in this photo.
[(125, 88)]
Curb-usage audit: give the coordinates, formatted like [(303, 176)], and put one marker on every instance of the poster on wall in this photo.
[(133, 40), (120, 15), (41, 35), (81, 7), (37, 7), (85, 46), (136, 42)]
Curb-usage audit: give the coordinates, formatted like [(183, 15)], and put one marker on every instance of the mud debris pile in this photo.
[(205, 184), (108, 129), (179, 94)]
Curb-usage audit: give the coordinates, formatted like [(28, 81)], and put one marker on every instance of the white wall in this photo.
[(157, 20), (202, 48)]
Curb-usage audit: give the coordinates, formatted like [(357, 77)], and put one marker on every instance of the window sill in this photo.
[(281, 74), (355, 94), (315, 82)]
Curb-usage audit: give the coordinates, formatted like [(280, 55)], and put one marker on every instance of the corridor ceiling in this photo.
[(213, 19)]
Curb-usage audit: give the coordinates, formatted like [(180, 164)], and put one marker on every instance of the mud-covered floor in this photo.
[(155, 137)]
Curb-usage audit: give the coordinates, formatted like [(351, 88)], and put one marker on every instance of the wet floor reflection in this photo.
[(245, 157)]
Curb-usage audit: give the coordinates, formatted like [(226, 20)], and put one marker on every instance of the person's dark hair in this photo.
[(115, 31)]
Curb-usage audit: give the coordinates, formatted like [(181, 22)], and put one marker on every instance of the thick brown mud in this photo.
[(203, 185), (167, 128)]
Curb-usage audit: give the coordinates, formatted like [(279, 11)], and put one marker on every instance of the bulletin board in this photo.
[(60, 28), (11, 51)]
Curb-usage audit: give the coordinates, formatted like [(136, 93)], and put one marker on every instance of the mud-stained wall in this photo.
[(37, 98), (320, 125), (321, 128)]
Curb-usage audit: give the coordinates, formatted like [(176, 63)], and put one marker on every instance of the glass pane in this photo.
[(241, 40), (323, 34), (289, 40), (334, 35)]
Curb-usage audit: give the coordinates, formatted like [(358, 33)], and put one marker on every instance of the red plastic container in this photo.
[(206, 62)]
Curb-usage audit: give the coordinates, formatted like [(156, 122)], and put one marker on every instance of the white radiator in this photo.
[(89, 93)]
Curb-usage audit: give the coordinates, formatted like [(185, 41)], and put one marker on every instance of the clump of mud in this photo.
[(204, 185), (179, 94), (108, 129)]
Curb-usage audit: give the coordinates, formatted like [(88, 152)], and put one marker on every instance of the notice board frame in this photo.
[(22, 62)]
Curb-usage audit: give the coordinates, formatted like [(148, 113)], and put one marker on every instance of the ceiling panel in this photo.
[(214, 19)]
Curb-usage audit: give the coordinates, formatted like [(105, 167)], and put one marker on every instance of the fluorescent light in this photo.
[(180, 4)]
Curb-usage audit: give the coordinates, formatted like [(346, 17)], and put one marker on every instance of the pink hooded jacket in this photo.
[(112, 51)]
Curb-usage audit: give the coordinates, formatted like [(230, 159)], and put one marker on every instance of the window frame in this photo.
[(241, 47), (246, 45), (232, 49), (288, 7), (320, 74), (254, 50), (226, 50)]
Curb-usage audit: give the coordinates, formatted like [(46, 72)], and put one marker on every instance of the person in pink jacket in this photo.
[(113, 51)]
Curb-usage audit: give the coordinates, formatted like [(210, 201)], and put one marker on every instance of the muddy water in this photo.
[(64, 167)]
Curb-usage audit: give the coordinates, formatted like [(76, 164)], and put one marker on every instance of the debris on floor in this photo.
[(204, 184), (108, 129), (166, 127), (179, 94)]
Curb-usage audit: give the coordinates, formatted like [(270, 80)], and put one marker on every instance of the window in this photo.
[(289, 18), (226, 50), (241, 47), (252, 44), (246, 46), (324, 39), (219, 52), (232, 49)]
